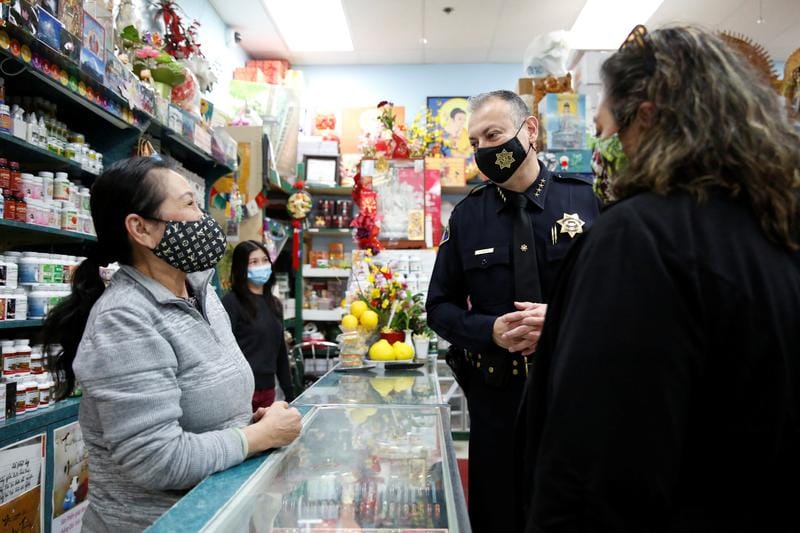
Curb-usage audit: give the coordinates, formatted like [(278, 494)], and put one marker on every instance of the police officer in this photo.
[(495, 269)]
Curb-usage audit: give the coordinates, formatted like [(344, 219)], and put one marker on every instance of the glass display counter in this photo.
[(375, 386), (364, 462)]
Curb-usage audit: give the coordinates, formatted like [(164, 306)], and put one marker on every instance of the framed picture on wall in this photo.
[(321, 170), (451, 114)]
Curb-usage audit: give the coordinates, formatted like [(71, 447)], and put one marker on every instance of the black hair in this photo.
[(127, 187), (517, 106), (239, 284), (456, 111)]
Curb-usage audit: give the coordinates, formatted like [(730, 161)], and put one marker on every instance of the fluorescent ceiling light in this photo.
[(311, 25), (604, 24)]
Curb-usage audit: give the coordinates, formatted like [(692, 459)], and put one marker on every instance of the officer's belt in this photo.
[(497, 368)]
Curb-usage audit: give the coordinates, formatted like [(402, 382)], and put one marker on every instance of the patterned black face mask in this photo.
[(192, 246)]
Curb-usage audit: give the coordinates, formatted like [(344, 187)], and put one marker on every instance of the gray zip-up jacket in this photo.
[(164, 387)]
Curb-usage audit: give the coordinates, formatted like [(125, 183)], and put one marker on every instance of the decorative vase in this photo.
[(393, 336)]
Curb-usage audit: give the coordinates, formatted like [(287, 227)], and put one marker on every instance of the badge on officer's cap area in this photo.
[(571, 224)]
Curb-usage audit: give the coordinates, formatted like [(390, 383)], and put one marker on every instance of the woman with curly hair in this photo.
[(665, 392)]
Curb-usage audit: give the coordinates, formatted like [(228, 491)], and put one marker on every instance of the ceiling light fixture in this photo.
[(311, 25), (760, 19), (604, 24)]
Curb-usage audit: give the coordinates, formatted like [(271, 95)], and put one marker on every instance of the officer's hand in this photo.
[(525, 327), (501, 326)]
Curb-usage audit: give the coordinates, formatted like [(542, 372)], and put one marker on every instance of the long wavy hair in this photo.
[(127, 186), (716, 124), (240, 287)]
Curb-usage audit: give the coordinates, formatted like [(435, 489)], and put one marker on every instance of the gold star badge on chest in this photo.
[(571, 224), (504, 159), (524, 247)]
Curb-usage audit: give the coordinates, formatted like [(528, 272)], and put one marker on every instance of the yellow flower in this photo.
[(384, 270), (375, 294), (368, 260), (371, 278), (385, 304)]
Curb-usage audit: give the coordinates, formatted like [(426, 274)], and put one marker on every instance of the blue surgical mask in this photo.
[(259, 275)]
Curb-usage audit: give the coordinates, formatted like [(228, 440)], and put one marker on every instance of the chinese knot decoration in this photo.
[(366, 223), (298, 206)]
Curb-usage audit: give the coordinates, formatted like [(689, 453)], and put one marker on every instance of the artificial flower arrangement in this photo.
[(425, 135), (150, 61), (389, 141)]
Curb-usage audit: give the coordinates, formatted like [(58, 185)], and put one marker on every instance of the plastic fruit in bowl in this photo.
[(369, 319), (357, 308), (402, 351), (349, 323), (382, 351)]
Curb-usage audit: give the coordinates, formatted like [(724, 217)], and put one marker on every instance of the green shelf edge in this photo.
[(20, 324), (74, 235)]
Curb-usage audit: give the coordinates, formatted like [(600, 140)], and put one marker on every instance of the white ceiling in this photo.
[(492, 31)]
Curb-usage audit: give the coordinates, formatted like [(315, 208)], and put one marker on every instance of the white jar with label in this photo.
[(85, 200), (3, 302), (9, 354), (37, 302), (31, 395), (31, 186), (44, 392), (54, 207), (3, 272), (47, 185), (12, 269), (22, 303), (10, 304), (75, 195), (61, 187), (29, 268), (23, 348), (36, 360), (69, 217)]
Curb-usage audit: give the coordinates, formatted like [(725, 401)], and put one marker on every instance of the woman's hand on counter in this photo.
[(273, 427)]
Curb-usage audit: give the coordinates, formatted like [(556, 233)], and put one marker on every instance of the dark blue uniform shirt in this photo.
[(474, 266)]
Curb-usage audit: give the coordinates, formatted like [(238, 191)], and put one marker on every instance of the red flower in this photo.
[(384, 103)]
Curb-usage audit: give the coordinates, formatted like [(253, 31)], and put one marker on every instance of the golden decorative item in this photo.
[(791, 84), (571, 224), (755, 54), (505, 159)]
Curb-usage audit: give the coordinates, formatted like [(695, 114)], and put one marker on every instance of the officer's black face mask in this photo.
[(498, 163)]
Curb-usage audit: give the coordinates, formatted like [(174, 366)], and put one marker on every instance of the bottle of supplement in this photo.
[(31, 395), (9, 354), (23, 349), (61, 186), (47, 185), (22, 304), (36, 360), (11, 260), (44, 392)]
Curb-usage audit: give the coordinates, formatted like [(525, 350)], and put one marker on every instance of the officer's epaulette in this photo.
[(574, 176), (478, 189)]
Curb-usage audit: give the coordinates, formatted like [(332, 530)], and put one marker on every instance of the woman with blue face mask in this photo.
[(257, 321)]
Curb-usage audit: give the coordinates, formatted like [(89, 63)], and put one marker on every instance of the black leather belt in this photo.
[(499, 367)]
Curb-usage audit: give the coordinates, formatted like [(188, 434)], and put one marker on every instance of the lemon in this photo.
[(349, 323), (369, 319), (381, 351), (357, 308), (402, 351)]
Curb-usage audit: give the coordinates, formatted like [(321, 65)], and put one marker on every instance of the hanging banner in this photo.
[(70, 478), (21, 478)]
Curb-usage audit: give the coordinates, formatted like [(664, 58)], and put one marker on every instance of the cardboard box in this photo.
[(525, 86)]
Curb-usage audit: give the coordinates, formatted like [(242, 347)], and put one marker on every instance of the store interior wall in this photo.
[(339, 86)]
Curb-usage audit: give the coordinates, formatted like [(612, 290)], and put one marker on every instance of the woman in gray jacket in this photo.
[(166, 389)]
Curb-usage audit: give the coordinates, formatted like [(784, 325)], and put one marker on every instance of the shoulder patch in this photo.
[(445, 235), (575, 177)]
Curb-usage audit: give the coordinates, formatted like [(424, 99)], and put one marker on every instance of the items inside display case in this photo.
[(353, 469)]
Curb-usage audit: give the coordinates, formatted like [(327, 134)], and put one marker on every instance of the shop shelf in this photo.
[(328, 232), (323, 315), (20, 324), (331, 191), (44, 230), (309, 272), (16, 149)]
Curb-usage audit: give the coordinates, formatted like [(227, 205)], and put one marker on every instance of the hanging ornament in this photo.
[(366, 223), (298, 206)]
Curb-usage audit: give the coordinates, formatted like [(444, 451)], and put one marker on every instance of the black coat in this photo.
[(664, 392)]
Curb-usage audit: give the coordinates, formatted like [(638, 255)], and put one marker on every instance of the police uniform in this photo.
[(473, 284)]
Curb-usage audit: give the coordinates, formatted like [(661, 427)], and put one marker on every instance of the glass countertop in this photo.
[(365, 469), (376, 386)]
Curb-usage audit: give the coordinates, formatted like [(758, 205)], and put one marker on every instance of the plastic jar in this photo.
[(37, 212), (9, 354), (58, 268), (22, 398), (54, 209), (3, 296), (75, 196), (69, 217), (37, 302), (31, 186), (22, 303), (5, 174), (10, 297), (85, 197), (23, 349), (29, 268), (22, 209), (3, 272), (36, 360), (5, 118), (31, 395), (16, 176), (61, 186), (70, 265), (11, 260), (47, 184), (44, 393)]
